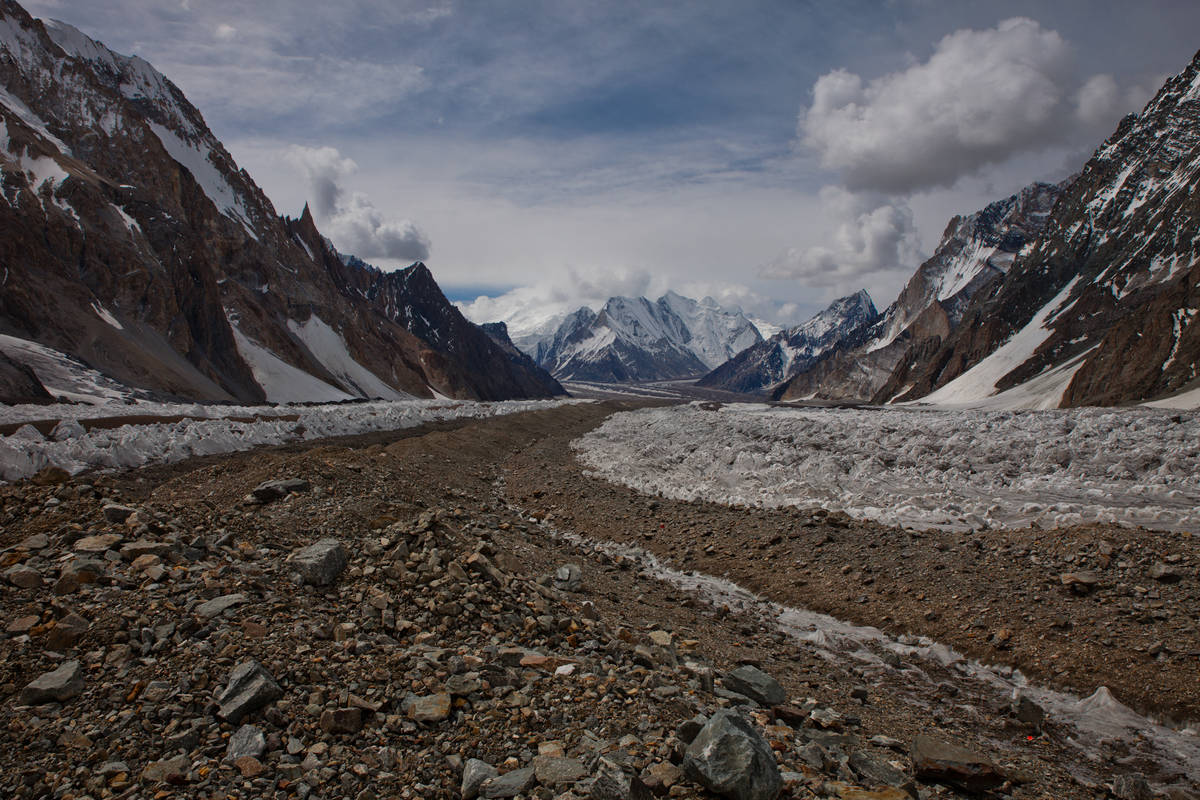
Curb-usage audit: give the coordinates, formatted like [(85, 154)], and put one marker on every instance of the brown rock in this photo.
[(250, 767), (936, 761), (342, 720)]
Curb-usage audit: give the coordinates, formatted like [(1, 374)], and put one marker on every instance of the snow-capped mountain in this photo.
[(765, 364), (634, 339), (1101, 307), (133, 243), (974, 250)]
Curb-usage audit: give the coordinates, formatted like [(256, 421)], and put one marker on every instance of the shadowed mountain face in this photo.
[(1100, 308), (132, 242)]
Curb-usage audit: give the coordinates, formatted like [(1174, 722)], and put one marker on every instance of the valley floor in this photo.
[(445, 640)]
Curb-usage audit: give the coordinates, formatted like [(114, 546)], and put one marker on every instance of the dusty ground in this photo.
[(488, 483)]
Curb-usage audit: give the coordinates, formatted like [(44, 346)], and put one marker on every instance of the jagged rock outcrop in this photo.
[(1100, 308), (974, 250), (134, 243), (764, 365), (18, 384), (633, 339)]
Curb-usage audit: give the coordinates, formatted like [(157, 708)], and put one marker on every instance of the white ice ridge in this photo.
[(952, 469), (208, 430)]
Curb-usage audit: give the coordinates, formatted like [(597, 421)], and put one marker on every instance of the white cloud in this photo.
[(869, 234), (983, 96), (529, 307), (351, 220), (226, 31)]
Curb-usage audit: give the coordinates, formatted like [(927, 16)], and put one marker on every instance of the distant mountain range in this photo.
[(634, 339), (131, 242)]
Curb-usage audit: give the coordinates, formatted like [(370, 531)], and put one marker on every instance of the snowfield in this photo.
[(206, 430), (955, 469)]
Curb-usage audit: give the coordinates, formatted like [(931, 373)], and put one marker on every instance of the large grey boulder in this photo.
[(510, 784), (731, 758), (56, 686), (250, 688), (755, 684), (321, 562), (474, 774)]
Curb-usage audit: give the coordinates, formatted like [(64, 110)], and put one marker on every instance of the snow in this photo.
[(106, 315), (1095, 719), (23, 113), (282, 382), (40, 168), (130, 222), (209, 430), (978, 383), (1188, 400), (954, 469), (63, 376), (330, 349), (197, 160)]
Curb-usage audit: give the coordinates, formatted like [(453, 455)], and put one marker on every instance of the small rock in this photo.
[(935, 761), (66, 632), (58, 686), (510, 784), (876, 770), (661, 776), (553, 770), (755, 684), (342, 720), (116, 514), (250, 688), (271, 491), (432, 708), (219, 605), (250, 767), (1164, 573), (731, 758), (247, 740), (568, 578), (321, 562), (22, 624), (1080, 582), (474, 774), (170, 770), (1029, 712), (23, 577), (612, 783)]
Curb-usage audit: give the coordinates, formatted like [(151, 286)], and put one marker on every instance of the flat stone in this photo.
[(936, 761), (730, 757), (247, 740), (320, 563), (342, 720), (432, 708), (23, 577), (661, 776), (66, 632), (58, 685), (22, 624), (877, 771), (250, 687), (132, 550), (250, 767), (219, 605), (510, 784), (554, 770), (38, 541), (475, 772), (270, 491), (1164, 573), (755, 684)]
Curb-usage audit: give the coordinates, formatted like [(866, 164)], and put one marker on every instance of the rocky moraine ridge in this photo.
[(405, 615)]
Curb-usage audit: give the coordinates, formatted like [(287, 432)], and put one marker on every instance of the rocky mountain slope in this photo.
[(764, 365), (974, 250), (132, 242), (633, 339), (1099, 309)]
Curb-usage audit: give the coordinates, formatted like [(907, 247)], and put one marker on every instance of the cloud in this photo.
[(982, 97), (870, 234), (351, 220)]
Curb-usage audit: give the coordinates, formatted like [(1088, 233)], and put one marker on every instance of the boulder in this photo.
[(732, 759), (270, 491), (247, 740), (755, 684), (510, 784), (56, 686), (321, 562), (250, 687), (474, 774)]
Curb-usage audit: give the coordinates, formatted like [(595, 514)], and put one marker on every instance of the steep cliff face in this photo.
[(975, 250), (132, 241), (1100, 307), (764, 365)]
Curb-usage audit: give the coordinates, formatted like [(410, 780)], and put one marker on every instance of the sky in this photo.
[(539, 156)]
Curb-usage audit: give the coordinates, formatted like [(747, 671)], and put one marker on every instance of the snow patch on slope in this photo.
[(63, 376), (280, 381), (197, 160), (929, 469), (330, 349)]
